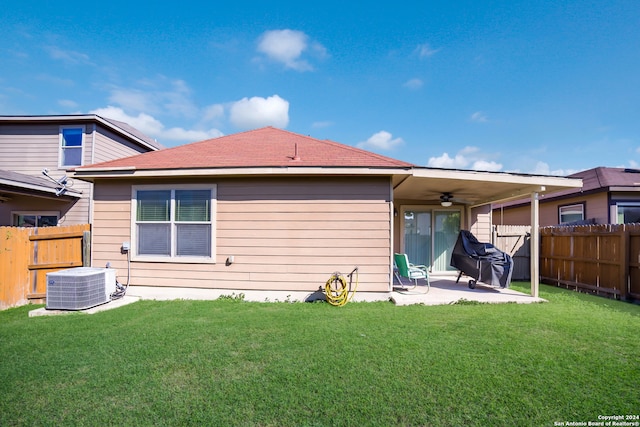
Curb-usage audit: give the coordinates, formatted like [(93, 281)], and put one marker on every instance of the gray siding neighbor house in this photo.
[(607, 196), (37, 154)]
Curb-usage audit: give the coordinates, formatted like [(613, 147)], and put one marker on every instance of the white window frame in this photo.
[(624, 204), (36, 213), (172, 258), (569, 207), (61, 148)]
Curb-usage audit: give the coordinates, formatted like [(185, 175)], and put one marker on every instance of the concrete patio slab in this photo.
[(127, 299), (443, 290)]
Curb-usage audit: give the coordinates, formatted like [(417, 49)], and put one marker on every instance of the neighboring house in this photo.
[(273, 210), (608, 196), (36, 153)]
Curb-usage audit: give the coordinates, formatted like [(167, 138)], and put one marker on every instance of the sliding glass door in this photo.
[(417, 237), (429, 237), (447, 227)]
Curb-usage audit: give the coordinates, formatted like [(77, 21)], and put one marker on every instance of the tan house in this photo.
[(36, 154), (608, 196), (273, 210)]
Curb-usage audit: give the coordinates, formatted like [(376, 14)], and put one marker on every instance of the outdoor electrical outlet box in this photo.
[(125, 246)]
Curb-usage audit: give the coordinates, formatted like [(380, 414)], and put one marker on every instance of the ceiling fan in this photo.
[(446, 199)]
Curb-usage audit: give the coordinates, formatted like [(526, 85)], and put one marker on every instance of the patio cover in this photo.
[(475, 188)]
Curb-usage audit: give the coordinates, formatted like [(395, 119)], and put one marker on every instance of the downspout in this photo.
[(91, 186), (93, 160)]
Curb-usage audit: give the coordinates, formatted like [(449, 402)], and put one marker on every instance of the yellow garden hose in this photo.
[(337, 291)]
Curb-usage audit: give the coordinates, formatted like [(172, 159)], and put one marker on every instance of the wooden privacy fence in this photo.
[(28, 254), (600, 259), (515, 240)]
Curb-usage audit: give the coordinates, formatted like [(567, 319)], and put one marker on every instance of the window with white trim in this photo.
[(174, 223), (571, 213), (628, 213), (71, 143)]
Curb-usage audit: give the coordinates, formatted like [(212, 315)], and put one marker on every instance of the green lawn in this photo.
[(228, 362)]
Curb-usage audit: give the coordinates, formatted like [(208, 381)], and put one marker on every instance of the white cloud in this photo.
[(382, 140), (543, 168), (425, 50), (180, 134), (133, 99), (413, 84), (213, 112), (479, 117), (153, 127), (68, 56), (483, 165), (143, 122), (469, 157), (171, 97), (444, 161), (287, 47), (255, 112)]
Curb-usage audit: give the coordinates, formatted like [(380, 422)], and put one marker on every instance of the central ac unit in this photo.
[(80, 288)]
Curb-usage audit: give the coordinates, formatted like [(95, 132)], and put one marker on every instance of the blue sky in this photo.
[(550, 87)]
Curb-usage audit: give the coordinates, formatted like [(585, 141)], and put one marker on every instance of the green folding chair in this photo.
[(413, 273)]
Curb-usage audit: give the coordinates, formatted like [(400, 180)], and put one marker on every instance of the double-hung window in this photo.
[(571, 213), (174, 223), (71, 142)]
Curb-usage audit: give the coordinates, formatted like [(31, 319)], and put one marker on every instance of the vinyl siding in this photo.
[(109, 146), (596, 207), (283, 234), (30, 148), (481, 223)]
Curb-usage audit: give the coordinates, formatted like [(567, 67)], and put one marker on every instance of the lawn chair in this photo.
[(403, 268)]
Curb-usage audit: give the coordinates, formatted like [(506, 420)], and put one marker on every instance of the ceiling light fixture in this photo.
[(445, 200)]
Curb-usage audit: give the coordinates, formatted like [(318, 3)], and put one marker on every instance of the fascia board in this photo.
[(93, 173)]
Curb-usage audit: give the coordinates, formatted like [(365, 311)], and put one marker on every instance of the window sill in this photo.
[(173, 260)]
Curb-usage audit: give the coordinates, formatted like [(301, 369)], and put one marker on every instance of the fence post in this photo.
[(624, 261), (86, 248)]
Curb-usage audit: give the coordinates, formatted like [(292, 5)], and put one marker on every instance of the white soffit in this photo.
[(477, 188)]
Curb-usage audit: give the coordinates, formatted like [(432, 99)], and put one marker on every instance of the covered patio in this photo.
[(444, 290), (431, 206)]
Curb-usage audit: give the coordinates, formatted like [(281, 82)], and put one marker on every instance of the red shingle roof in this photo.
[(265, 147)]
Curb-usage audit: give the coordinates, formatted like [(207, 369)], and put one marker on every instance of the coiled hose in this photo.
[(337, 291)]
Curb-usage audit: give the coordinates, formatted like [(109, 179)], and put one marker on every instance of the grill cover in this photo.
[(482, 261)]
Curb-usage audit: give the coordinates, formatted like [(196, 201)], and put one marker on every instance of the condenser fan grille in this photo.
[(80, 288)]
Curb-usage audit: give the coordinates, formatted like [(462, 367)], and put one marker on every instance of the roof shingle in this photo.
[(265, 147)]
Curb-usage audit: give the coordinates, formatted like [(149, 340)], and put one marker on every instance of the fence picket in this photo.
[(603, 259), (28, 254)]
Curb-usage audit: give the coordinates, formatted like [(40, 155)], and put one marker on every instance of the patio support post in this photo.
[(534, 253)]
